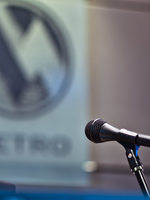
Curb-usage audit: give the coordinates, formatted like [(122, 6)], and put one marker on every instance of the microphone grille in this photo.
[(92, 130)]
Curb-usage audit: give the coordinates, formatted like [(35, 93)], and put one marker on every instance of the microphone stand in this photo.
[(136, 167)]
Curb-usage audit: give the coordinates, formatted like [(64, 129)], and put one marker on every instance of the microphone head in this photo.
[(92, 130)]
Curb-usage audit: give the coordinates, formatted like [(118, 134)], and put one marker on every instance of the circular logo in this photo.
[(35, 58)]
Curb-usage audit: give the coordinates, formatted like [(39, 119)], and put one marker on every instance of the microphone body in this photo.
[(100, 131)]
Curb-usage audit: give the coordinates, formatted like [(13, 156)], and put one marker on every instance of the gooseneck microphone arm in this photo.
[(100, 131)]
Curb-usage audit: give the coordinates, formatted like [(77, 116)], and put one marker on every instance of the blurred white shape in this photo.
[(90, 166)]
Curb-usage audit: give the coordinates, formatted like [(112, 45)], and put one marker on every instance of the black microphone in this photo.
[(100, 131)]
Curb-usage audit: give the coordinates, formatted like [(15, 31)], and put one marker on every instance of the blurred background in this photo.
[(63, 63)]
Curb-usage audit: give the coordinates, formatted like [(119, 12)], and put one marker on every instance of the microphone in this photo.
[(100, 131)]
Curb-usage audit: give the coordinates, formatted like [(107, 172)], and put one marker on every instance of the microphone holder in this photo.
[(136, 167)]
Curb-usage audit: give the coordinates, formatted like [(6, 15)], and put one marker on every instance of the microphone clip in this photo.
[(136, 166)]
